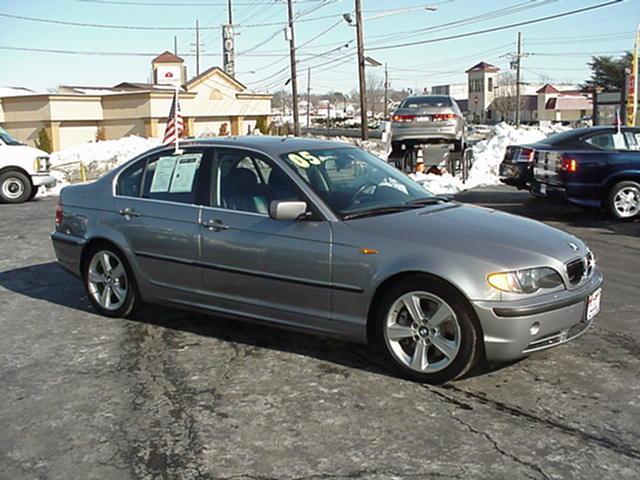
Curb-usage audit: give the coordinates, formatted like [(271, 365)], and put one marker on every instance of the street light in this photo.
[(348, 17)]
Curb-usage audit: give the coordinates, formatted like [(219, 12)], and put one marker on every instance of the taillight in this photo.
[(403, 118), (569, 164), (59, 214), (443, 117), (526, 155)]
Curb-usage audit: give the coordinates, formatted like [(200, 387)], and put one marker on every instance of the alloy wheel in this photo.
[(423, 332), (107, 280), (627, 202)]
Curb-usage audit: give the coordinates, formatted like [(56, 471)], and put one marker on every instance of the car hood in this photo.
[(24, 152), (500, 238)]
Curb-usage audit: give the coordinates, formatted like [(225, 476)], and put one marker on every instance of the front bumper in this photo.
[(561, 317), (40, 179)]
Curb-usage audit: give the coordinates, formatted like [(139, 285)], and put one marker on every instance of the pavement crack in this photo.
[(618, 447), (501, 450)]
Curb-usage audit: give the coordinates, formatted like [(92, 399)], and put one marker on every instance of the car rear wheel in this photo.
[(15, 187), (109, 282), (428, 331), (623, 201)]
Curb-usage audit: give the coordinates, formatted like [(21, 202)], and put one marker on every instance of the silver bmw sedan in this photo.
[(325, 238)]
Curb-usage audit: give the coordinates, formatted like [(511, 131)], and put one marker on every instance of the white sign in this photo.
[(169, 75), (228, 50)]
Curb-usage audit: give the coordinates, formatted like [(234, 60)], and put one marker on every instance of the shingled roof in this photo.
[(167, 57), (483, 66)]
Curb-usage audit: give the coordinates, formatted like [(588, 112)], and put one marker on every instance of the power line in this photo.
[(101, 25), (496, 29), (174, 4)]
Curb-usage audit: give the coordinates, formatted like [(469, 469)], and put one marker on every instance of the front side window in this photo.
[(247, 182), (172, 178), (608, 141), (351, 180)]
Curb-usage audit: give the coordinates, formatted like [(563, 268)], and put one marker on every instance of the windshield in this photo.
[(351, 180), (8, 139)]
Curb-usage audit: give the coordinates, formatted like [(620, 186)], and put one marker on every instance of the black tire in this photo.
[(459, 145), (470, 333), (131, 302), (15, 187), (536, 194), (610, 202), (34, 192)]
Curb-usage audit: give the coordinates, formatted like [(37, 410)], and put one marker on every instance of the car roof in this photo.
[(268, 144)]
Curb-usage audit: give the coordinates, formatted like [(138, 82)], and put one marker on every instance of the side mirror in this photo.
[(286, 210)]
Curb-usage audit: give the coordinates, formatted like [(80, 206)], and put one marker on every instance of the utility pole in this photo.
[(518, 60), (175, 45), (363, 85), (386, 91), (294, 78), (197, 47), (229, 13), (308, 97)]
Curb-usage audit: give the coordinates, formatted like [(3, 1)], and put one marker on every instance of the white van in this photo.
[(23, 170)]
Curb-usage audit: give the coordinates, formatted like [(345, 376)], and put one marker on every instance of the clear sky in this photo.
[(559, 49)]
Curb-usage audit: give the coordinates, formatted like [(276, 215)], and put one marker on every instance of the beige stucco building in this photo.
[(75, 114)]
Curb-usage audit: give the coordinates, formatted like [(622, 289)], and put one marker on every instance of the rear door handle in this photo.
[(128, 212), (215, 225)]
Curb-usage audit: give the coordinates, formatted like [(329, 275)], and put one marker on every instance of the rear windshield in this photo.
[(559, 138), (418, 102)]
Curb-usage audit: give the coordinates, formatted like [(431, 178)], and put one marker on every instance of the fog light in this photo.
[(534, 328)]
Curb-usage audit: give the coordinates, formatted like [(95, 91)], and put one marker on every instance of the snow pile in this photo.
[(98, 158), (439, 184), (487, 156)]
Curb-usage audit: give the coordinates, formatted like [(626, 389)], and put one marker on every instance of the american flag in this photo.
[(175, 122)]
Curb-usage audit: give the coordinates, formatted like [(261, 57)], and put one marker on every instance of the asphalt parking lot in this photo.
[(175, 395)]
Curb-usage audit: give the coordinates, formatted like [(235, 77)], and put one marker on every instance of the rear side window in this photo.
[(633, 140), (172, 178), (608, 141), (421, 102), (130, 179)]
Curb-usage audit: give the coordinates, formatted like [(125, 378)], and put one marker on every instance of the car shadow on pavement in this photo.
[(548, 210), (48, 282)]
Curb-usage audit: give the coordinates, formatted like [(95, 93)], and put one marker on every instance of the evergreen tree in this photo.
[(607, 72), (43, 142)]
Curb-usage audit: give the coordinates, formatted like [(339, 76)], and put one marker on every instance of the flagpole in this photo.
[(175, 123)]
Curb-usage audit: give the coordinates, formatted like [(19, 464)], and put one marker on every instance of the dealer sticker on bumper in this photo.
[(593, 304)]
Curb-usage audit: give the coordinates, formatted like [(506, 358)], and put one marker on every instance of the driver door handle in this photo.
[(128, 212), (215, 225)]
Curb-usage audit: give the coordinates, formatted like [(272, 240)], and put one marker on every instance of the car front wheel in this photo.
[(109, 282), (623, 201), (15, 187), (428, 331)]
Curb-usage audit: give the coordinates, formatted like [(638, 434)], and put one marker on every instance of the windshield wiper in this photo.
[(428, 200), (379, 211)]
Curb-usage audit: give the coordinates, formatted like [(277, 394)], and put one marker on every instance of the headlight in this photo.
[(41, 164), (526, 281)]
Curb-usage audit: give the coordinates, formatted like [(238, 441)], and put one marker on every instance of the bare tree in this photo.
[(505, 101), (375, 91)]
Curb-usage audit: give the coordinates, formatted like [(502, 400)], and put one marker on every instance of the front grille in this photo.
[(581, 269), (576, 271)]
